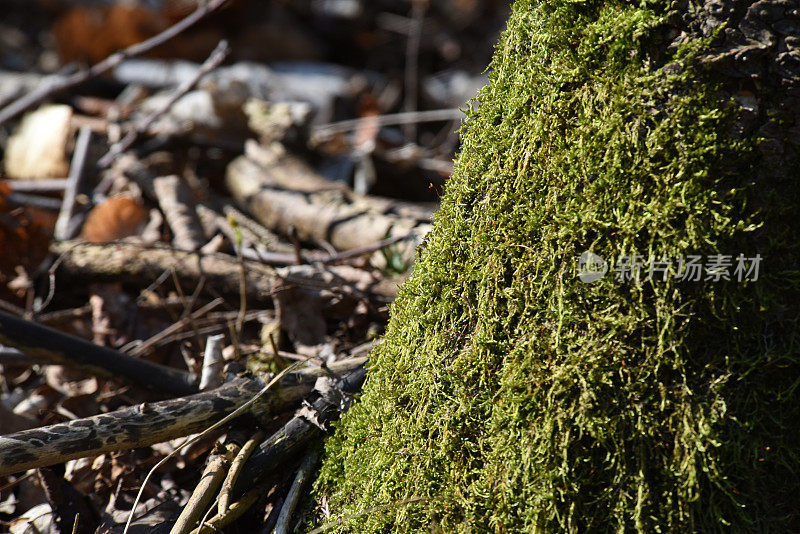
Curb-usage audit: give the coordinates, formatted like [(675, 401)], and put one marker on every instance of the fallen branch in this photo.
[(304, 472), (58, 84), (326, 131), (282, 192), (65, 228), (301, 431), (59, 348), (130, 262), (217, 56), (149, 423)]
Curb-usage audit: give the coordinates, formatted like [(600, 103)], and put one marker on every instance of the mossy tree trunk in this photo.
[(519, 398)]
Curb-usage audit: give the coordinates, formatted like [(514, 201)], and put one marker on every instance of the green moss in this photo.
[(521, 399)]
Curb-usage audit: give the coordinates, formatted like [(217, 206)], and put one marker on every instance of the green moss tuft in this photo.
[(523, 400)]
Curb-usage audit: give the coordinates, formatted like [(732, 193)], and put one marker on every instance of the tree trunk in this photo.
[(557, 362)]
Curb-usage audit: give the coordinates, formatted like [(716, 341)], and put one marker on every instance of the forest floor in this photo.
[(198, 198)]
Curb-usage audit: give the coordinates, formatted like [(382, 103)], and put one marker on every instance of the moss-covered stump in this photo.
[(518, 398)]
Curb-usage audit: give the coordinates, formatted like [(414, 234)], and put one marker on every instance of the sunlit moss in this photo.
[(520, 399)]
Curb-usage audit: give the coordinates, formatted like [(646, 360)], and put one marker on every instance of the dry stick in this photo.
[(212, 327), (212, 478), (175, 200), (36, 186), (187, 306), (12, 308), (296, 435), (149, 423), (217, 56), (236, 467), (64, 349), (211, 376), (298, 255), (208, 513), (278, 258), (260, 233), (23, 478), (323, 131), (130, 262), (233, 513), (303, 473), (51, 285), (33, 201), (242, 289), (64, 230), (140, 349), (17, 357), (282, 191), (47, 89), (238, 411), (366, 249)]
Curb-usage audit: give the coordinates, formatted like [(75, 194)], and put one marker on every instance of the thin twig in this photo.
[(279, 258), (210, 481), (59, 84), (295, 240), (64, 230), (300, 479), (237, 412), (217, 56), (366, 249), (239, 326), (207, 514), (33, 201), (143, 347), (247, 449), (234, 512), (188, 305), (36, 186), (323, 131)]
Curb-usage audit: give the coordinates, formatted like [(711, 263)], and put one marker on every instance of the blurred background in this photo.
[(309, 138)]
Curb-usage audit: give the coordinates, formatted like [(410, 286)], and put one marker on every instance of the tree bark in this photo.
[(149, 423)]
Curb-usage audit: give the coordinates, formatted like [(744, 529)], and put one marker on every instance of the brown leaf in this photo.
[(92, 33), (114, 219)]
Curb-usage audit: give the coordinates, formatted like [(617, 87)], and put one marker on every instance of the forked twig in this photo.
[(217, 56)]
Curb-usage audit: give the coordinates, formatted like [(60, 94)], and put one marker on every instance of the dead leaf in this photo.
[(92, 33), (116, 218)]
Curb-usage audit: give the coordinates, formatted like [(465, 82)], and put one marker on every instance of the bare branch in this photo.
[(217, 56), (60, 84)]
